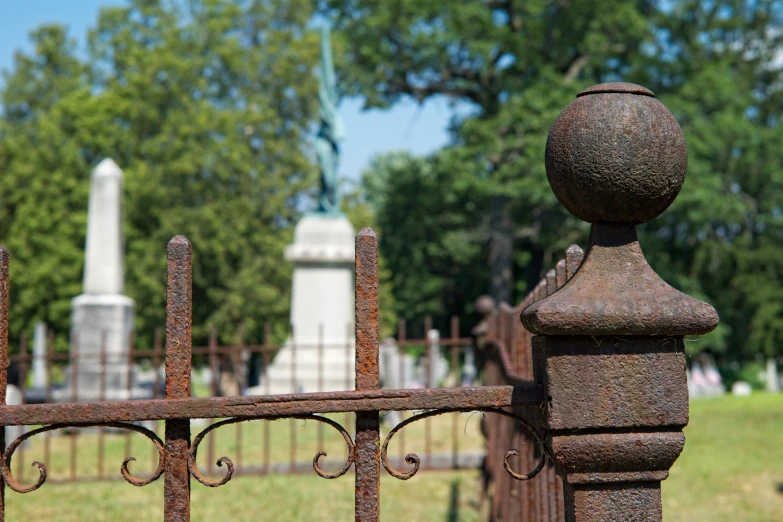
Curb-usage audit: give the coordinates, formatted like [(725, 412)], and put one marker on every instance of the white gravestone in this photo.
[(40, 379), (102, 318), (469, 366), (13, 397), (438, 366), (322, 311)]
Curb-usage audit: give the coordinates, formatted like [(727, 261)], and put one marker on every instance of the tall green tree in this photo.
[(515, 65), (207, 106)]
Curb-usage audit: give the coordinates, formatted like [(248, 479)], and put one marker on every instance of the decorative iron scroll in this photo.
[(415, 461), (230, 465), (411, 458), (5, 463)]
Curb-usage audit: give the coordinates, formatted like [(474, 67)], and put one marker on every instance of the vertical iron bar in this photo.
[(552, 487), (238, 440), (367, 445), (401, 340), (560, 499), (292, 423), (267, 359), (320, 427), (457, 382), (178, 354), (74, 398), (22, 380), (156, 357), (427, 384), (348, 356), (129, 388), (49, 364), (102, 397), (214, 392), (4, 258)]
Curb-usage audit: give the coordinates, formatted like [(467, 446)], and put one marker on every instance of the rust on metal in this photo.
[(4, 292), (507, 348), (5, 464), (605, 158), (367, 445), (583, 307), (177, 458), (274, 405), (178, 353), (415, 461), (213, 387), (609, 346), (230, 465)]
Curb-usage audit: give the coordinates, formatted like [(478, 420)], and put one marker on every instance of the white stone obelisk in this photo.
[(102, 318)]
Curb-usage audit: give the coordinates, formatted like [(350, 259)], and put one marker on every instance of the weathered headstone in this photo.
[(40, 379), (36, 393), (102, 318), (438, 367), (772, 378), (469, 371), (13, 397)]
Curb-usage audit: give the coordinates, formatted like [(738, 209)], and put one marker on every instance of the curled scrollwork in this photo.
[(230, 465), (415, 461), (5, 462)]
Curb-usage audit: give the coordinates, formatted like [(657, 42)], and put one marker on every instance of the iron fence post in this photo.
[(367, 452), (609, 344), (178, 382), (4, 262)]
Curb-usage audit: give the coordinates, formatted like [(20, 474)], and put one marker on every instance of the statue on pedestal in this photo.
[(322, 294)]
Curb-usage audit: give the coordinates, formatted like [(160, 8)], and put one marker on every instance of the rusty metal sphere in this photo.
[(616, 154)]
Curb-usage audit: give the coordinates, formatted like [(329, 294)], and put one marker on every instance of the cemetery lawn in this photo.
[(731, 469)]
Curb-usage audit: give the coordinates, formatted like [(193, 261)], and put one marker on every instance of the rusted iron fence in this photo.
[(608, 396), (177, 453), (507, 347)]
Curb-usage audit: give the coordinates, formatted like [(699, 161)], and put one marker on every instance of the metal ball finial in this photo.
[(616, 154)]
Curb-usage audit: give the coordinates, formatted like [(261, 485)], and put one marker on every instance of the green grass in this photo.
[(451, 496), (730, 471), (732, 464), (432, 496)]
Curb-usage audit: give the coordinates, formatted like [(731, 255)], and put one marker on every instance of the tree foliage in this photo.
[(207, 107), (480, 211)]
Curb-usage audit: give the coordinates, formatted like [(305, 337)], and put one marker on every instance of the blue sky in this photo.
[(406, 127)]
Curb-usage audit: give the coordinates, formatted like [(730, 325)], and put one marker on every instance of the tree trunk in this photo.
[(500, 250)]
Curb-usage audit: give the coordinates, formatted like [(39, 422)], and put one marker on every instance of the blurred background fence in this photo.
[(42, 375)]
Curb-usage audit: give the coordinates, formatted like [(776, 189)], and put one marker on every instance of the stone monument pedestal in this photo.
[(101, 322), (322, 311)]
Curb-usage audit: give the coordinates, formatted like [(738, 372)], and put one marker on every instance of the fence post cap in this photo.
[(616, 154), (616, 157)]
